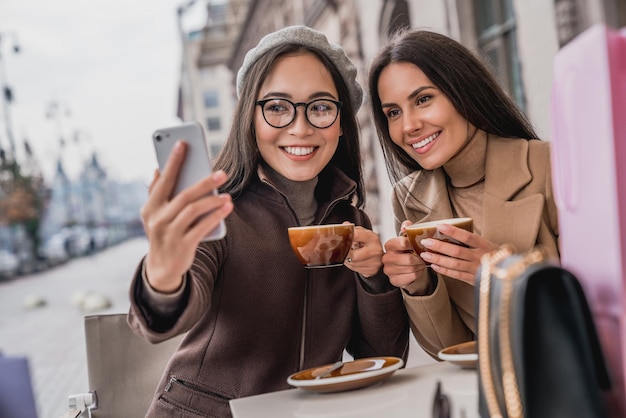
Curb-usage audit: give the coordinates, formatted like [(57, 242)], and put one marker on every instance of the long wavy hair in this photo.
[(463, 79), (240, 155)]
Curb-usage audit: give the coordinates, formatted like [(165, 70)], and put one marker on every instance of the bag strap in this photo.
[(488, 262), (512, 397)]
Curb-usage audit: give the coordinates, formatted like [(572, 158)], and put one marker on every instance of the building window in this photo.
[(496, 29), (213, 124), (211, 99)]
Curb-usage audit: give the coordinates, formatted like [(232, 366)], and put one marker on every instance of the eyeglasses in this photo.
[(441, 403), (321, 113)]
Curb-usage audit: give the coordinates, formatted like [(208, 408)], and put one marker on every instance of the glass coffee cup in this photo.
[(422, 230), (318, 246)]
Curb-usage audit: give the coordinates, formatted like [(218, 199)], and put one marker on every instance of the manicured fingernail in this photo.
[(426, 256), (435, 267), (443, 228), (427, 242)]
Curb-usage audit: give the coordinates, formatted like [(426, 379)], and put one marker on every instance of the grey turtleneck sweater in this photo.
[(301, 194)]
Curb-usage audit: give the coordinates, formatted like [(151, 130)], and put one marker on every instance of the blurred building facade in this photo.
[(91, 200), (43, 225), (519, 39), (206, 87)]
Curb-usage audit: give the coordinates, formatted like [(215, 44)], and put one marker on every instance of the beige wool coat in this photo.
[(518, 208)]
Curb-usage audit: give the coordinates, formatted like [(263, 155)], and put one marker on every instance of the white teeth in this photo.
[(299, 151), (425, 141)]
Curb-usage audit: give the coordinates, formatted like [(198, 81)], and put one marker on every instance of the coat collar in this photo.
[(505, 218), (332, 185), (506, 167)]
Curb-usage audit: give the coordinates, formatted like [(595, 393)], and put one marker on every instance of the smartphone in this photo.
[(197, 164)]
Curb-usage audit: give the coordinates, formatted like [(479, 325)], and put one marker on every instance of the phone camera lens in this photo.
[(158, 137)]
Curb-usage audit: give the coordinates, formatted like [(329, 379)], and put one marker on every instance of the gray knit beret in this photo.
[(305, 36)]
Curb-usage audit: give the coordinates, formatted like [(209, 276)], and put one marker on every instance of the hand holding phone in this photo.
[(197, 164)]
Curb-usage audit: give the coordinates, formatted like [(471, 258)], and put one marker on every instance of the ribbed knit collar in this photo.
[(301, 194), (467, 167)]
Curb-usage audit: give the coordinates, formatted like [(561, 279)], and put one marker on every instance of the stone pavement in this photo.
[(52, 336)]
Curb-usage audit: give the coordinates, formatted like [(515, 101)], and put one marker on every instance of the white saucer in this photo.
[(464, 354), (351, 375)]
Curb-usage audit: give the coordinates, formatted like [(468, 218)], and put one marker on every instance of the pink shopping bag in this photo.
[(589, 172)]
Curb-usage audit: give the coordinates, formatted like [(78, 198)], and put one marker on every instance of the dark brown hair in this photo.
[(240, 155), (461, 77)]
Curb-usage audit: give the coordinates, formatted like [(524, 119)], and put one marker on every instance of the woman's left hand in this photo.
[(366, 255), (454, 260)]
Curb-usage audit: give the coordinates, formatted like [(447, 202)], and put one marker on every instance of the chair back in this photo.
[(123, 368)]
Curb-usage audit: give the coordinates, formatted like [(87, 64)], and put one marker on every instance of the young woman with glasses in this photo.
[(253, 314), (455, 145)]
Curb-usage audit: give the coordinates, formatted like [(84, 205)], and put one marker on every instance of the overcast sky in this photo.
[(112, 64)]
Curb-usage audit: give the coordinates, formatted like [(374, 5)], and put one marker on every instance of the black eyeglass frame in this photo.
[(295, 111)]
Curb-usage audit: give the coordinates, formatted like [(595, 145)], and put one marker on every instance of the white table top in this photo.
[(406, 393)]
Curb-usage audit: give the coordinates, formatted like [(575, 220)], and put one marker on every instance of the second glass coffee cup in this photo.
[(422, 230)]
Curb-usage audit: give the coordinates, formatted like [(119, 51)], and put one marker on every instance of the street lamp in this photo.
[(56, 110), (7, 92)]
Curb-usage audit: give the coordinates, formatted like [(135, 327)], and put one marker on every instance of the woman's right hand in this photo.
[(170, 225), (403, 267)]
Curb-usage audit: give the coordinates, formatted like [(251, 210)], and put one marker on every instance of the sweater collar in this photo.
[(331, 185), (467, 167), (294, 190), (300, 194)]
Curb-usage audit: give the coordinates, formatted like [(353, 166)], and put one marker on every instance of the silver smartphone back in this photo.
[(197, 164)]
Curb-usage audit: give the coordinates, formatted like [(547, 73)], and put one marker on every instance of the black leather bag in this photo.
[(539, 354)]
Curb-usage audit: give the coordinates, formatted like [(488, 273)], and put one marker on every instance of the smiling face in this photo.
[(422, 120), (298, 151)]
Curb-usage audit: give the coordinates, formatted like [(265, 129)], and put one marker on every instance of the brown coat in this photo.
[(255, 315), (518, 208)]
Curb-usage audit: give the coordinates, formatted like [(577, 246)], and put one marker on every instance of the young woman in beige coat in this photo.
[(455, 146)]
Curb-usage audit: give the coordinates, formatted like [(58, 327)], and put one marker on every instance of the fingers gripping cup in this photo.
[(422, 230), (321, 245)]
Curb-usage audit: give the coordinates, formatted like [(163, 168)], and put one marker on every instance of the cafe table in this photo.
[(407, 393)]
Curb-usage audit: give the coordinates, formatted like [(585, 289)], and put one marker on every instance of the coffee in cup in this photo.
[(422, 230), (321, 245)]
